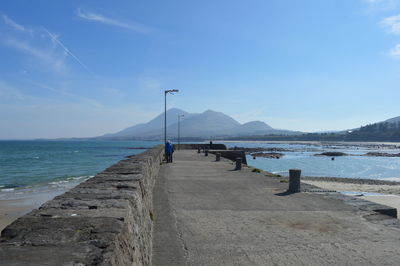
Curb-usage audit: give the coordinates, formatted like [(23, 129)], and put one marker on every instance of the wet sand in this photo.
[(15, 204), (10, 210), (358, 187), (389, 194)]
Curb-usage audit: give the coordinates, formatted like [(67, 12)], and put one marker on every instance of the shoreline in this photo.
[(356, 143), (10, 210), (363, 186), (378, 191), (18, 202), (350, 180)]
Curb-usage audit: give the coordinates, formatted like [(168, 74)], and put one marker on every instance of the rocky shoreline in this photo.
[(260, 149), (271, 155), (276, 153), (352, 180), (382, 154)]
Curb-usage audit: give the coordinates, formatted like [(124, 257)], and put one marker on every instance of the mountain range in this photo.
[(209, 124)]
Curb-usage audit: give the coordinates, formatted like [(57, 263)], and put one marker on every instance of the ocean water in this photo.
[(302, 157), (28, 164)]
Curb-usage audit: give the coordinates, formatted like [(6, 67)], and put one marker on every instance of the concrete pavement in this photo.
[(208, 214)]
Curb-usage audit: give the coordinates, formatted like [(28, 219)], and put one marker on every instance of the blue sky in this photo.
[(85, 68)]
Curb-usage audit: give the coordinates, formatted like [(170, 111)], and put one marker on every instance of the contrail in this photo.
[(68, 51)]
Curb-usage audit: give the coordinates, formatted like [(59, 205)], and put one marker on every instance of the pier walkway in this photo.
[(208, 214)]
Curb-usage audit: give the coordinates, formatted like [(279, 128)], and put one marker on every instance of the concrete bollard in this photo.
[(218, 156), (198, 150), (205, 152), (238, 163), (294, 180)]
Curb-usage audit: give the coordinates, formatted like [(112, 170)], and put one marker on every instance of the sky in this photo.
[(86, 68)]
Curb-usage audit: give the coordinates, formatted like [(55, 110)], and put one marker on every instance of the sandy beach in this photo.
[(386, 194), (15, 204), (11, 210), (393, 189)]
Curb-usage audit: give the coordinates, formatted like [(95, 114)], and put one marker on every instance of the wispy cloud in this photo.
[(38, 42), (13, 24), (45, 55), (67, 51), (133, 26), (391, 24)]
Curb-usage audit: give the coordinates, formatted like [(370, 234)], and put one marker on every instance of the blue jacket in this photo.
[(169, 148)]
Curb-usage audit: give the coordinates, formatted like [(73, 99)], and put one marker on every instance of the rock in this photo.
[(331, 153), (259, 150), (382, 154), (272, 155)]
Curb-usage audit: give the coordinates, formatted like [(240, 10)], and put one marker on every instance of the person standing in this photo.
[(170, 151)]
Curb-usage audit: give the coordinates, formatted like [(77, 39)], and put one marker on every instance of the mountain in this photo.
[(153, 125), (251, 128), (204, 125), (209, 124), (393, 120)]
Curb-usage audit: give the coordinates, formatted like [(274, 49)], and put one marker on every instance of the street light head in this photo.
[(171, 91)]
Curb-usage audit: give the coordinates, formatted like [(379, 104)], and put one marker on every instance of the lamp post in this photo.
[(165, 116), (179, 131)]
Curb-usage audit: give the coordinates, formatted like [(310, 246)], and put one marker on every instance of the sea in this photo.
[(37, 166), (29, 166), (302, 156)]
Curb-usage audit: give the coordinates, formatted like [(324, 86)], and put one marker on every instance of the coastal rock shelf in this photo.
[(106, 220), (382, 154), (272, 155)]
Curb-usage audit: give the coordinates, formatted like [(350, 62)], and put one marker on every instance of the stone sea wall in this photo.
[(107, 220), (221, 148)]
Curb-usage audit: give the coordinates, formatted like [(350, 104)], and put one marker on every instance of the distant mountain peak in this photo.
[(255, 122), (208, 124), (209, 111), (174, 109)]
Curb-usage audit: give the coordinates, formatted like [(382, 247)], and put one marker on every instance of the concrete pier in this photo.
[(208, 214), (197, 211)]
